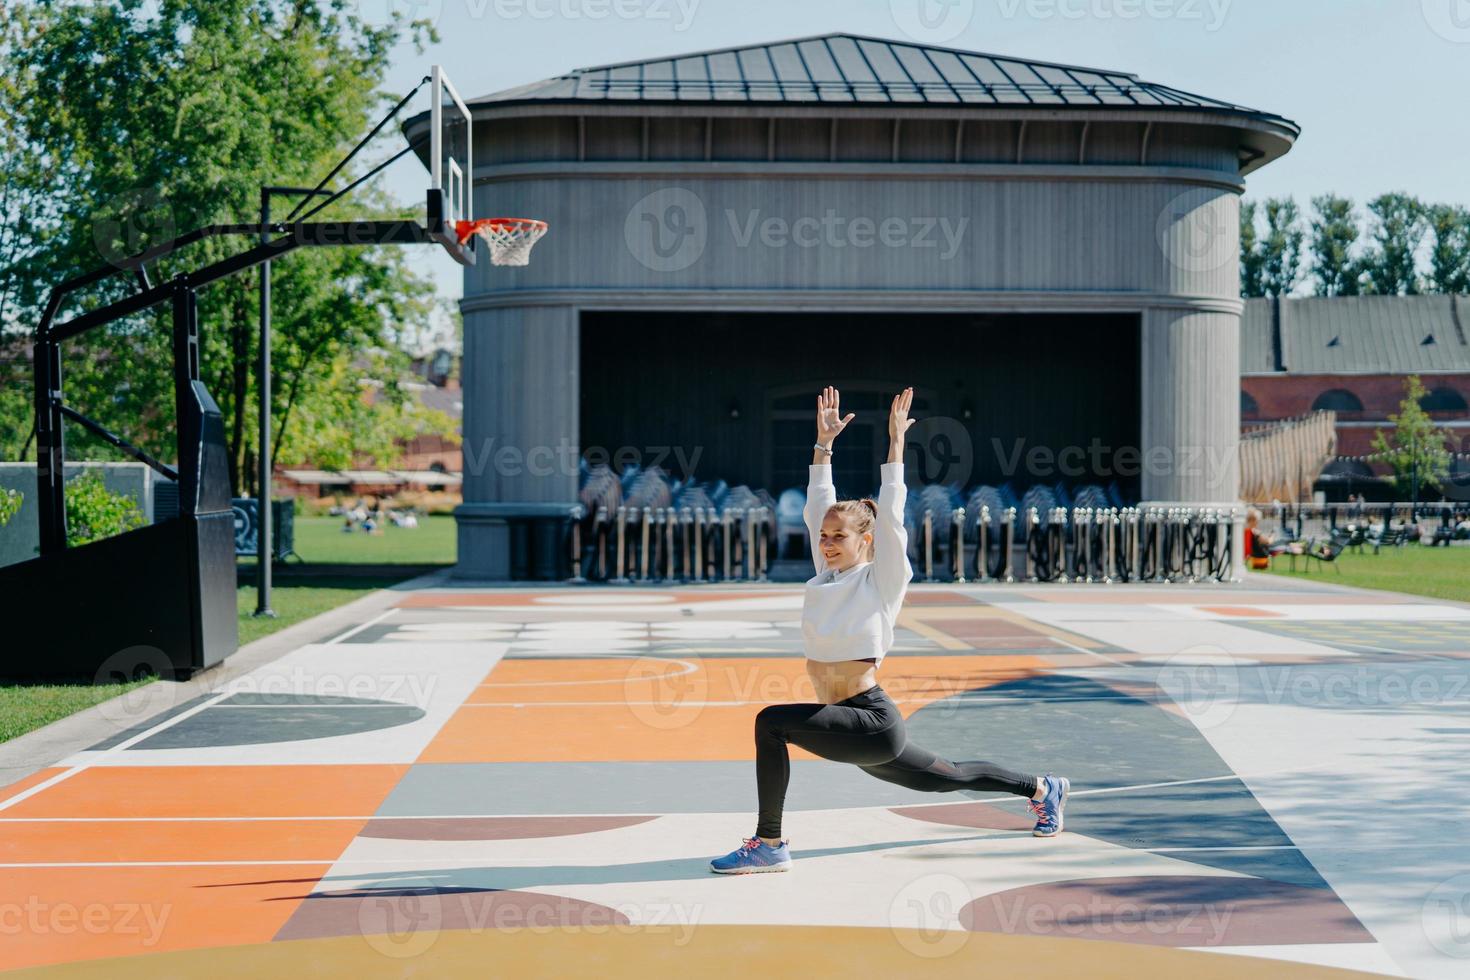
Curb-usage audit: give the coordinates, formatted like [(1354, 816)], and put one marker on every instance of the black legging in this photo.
[(865, 729)]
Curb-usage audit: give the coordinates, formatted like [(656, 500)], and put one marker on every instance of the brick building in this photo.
[(1351, 354)]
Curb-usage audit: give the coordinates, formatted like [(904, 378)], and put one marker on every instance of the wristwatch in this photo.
[(822, 448)]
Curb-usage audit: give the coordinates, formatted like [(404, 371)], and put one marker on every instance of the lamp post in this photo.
[(263, 542)]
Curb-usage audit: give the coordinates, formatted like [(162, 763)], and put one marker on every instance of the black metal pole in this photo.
[(264, 545), (263, 550), (50, 448)]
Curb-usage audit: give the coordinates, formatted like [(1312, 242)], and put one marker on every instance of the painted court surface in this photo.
[(502, 782)]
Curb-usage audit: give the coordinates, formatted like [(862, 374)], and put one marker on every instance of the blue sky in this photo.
[(1378, 86)]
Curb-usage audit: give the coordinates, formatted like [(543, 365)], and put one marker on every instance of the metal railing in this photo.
[(632, 544), (1082, 544), (1103, 545)]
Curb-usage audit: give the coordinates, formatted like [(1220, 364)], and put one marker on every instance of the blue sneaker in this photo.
[(1049, 808), (753, 855)]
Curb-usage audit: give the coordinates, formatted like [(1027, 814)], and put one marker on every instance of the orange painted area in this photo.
[(691, 677), (1250, 611), (211, 791), (640, 709), (588, 733), (634, 678), (215, 840), (55, 915), (430, 600)]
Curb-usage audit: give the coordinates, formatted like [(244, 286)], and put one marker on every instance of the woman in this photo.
[(860, 550), (1260, 547), (1256, 541)]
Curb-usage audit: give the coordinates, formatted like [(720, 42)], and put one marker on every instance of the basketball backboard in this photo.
[(451, 167)]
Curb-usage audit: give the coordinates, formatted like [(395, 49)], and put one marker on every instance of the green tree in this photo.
[(23, 205), (1415, 448), (1334, 232), (16, 412), (355, 412), (1252, 261), (1282, 247), (147, 120), (94, 512), (10, 501), (1449, 259), (1398, 230), (1270, 266)]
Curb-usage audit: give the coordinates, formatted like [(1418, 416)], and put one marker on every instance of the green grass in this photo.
[(1439, 573), (294, 601), (26, 707), (321, 539)]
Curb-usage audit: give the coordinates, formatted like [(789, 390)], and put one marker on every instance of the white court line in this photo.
[(313, 706), (1242, 777), (1090, 653), (128, 743), (644, 813), (412, 862), (1274, 847), (167, 864), (1343, 643), (1326, 644), (1163, 699), (67, 774), (4, 820), (541, 862), (606, 680), (358, 629)]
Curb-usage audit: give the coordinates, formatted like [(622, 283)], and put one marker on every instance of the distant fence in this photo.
[(1282, 460), (1306, 521)]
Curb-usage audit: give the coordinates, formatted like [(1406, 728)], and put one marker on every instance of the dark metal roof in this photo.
[(1357, 335), (1257, 350), (850, 68)]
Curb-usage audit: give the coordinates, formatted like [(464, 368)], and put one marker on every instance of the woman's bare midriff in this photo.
[(842, 679)]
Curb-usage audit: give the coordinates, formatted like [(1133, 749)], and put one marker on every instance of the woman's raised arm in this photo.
[(891, 568), (829, 423), (820, 492)]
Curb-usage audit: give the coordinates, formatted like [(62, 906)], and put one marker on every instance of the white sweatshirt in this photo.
[(849, 615)]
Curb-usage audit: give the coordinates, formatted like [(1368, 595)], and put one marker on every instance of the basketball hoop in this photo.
[(510, 239)]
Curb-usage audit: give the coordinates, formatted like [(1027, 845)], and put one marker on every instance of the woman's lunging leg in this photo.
[(833, 731), (772, 769), (919, 769)]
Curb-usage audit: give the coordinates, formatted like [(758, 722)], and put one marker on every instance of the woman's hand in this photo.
[(829, 417), (898, 415)]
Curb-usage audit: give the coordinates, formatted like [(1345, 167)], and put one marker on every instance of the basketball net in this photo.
[(509, 239)]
